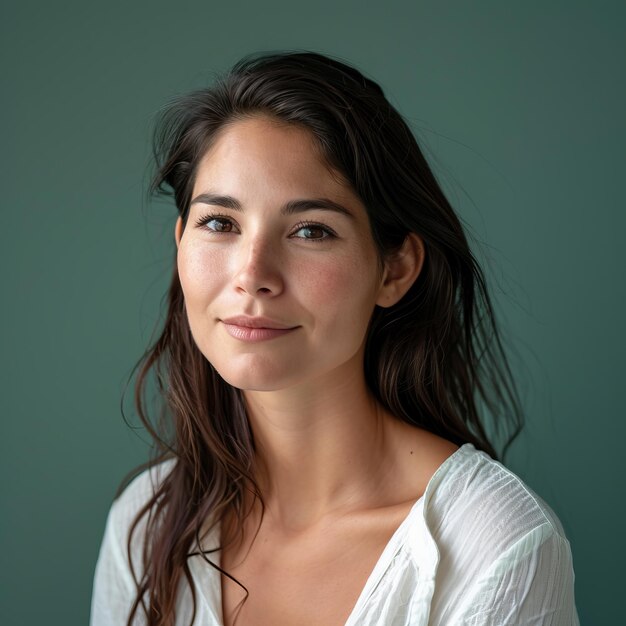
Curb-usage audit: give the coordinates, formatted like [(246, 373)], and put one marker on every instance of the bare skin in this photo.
[(315, 575), (338, 473)]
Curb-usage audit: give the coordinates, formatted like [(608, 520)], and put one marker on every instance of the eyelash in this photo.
[(330, 234)]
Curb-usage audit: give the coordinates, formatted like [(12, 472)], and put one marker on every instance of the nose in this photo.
[(259, 271)]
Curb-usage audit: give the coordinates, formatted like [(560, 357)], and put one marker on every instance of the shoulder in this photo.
[(126, 507), (139, 491), (502, 550), (145, 484), (114, 584), (470, 489)]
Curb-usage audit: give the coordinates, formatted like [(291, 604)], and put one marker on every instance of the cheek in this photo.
[(199, 271), (341, 289), (321, 280)]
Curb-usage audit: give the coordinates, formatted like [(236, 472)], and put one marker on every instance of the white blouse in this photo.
[(478, 548)]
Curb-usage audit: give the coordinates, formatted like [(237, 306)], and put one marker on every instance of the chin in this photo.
[(253, 384), (256, 377)]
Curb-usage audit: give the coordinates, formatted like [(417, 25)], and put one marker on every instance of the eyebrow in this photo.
[(289, 208)]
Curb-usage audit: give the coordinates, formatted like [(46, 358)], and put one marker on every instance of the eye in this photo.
[(216, 223), (320, 232)]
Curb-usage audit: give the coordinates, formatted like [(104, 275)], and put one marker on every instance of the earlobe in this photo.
[(401, 270), (178, 231)]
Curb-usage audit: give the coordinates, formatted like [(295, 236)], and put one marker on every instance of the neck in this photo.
[(321, 449)]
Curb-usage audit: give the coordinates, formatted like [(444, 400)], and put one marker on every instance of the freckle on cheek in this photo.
[(329, 279)]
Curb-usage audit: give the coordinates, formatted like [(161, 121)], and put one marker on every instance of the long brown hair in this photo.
[(434, 359)]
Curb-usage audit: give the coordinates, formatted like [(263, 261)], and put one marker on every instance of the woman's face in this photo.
[(313, 271)]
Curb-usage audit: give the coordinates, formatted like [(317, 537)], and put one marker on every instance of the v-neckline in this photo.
[(396, 541), (384, 560), (213, 598)]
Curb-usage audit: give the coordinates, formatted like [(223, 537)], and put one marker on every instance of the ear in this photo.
[(401, 270), (178, 230)]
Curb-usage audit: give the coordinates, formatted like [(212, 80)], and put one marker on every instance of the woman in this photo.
[(322, 458)]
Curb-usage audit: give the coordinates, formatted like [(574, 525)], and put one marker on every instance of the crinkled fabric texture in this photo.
[(479, 548)]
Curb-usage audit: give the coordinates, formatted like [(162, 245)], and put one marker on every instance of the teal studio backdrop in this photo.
[(521, 110)]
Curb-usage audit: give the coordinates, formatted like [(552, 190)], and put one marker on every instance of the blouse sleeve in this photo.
[(532, 582), (113, 586), (114, 589)]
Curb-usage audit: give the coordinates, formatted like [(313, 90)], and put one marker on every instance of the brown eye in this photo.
[(216, 223), (222, 226), (318, 232), (314, 232)]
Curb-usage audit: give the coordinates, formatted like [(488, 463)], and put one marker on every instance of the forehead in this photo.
[(266, 153)]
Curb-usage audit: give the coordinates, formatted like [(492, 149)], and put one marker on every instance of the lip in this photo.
[(246, 328), (256, 322)]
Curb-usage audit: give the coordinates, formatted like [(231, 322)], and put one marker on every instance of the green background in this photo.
[(521, 111)]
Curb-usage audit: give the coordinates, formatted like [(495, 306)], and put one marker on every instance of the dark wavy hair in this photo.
[(435, 359)]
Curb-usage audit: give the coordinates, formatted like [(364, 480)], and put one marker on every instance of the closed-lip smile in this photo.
[(255, 329), (255, 322)]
